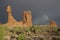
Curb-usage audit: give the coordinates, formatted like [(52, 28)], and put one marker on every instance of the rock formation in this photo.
[(53, 23), (26, 21), (11, 20), (27, 18)]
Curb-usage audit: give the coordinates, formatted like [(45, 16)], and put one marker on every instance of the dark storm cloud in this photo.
[(42, 10)]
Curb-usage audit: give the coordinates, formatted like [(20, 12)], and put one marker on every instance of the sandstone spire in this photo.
[(11, 20), (53, 23), (27, 18), (26, 21)]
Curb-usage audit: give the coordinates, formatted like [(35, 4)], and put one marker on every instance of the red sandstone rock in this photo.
[(11, 20), (53, 23), (27, 18)]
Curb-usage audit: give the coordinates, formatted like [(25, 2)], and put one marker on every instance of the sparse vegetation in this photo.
[(25, 33), (1, 33), (21, 37)]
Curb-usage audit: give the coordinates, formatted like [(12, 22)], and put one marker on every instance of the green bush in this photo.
[(17, 29), (1, 33), (21, 37), (26, 29), (35, 29)]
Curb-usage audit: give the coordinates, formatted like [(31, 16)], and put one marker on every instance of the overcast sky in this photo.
[(42, 10)]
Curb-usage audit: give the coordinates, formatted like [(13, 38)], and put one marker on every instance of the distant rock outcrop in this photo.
[(26, 21), (53, 23)]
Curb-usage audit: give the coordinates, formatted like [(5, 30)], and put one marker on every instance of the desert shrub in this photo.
[(58, 31), (12, 31), (32, 29), (53, 30), (17, 29), (26, 29), (35, 29), (1, 33), (21, 37)]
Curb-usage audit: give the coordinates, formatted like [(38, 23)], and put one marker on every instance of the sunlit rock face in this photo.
[(53, 23), (26, 21), (11, 20), (27, 18)]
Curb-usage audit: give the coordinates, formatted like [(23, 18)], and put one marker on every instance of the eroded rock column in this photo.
[(27, 18), (11, 21)]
